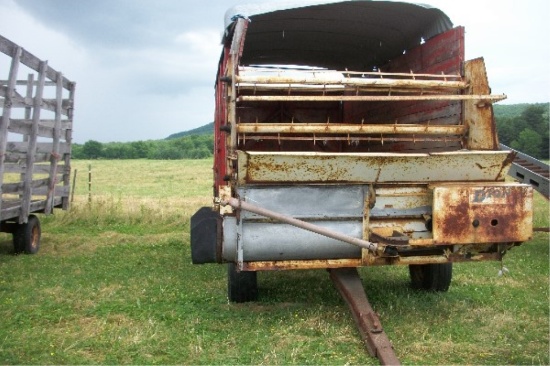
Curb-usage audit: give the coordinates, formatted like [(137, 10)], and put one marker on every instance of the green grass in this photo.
[(113, 283)]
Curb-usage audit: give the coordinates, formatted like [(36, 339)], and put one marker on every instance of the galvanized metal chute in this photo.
[(380, 249)]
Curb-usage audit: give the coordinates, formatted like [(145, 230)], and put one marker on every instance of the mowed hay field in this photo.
[(113, 283)]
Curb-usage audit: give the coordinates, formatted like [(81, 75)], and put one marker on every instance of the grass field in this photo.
[(113, 283)]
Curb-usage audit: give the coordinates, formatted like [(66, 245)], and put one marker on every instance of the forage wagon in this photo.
[(349, 134)]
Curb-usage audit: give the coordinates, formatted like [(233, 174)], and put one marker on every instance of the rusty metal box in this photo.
[(482, 213)]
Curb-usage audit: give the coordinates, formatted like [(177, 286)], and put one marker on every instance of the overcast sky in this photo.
[(145, 69)]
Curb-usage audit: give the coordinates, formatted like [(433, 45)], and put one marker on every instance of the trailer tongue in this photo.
[(349, 284)]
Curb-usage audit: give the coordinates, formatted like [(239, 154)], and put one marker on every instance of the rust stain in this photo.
[(506, 165), (300, 264), (484, 214), (331, 168), (469, 254)]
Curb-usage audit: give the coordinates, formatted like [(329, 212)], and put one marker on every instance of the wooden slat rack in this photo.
[(35, 136)]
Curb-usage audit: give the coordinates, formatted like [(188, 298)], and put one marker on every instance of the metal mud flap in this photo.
[(205, 236), (482, 213)]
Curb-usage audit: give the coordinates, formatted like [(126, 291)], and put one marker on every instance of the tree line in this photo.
[(526, 129), (523, 127), (188, 147)]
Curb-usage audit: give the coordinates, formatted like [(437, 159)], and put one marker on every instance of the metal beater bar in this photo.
[(350, 128), (367, 98), (343, 81)]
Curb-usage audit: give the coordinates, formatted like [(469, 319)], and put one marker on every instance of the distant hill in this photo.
[(512, 110), (203, 130)]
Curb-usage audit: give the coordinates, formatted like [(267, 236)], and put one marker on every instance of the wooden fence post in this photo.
[(89, 183)]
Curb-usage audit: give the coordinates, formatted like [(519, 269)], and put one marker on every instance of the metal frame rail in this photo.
[(529, 170)]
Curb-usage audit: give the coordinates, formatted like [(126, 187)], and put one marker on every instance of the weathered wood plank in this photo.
[(13, 210), (24, 127), (25, 82), (28, 59), (39, 147), (57, 191), (67, 156), (40, 187), (16, 168), (32, 143), (18, 157), (55, 156), (6, 113), (19, 101), (18, 187)]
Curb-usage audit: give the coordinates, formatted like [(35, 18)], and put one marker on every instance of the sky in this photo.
[(145, 69)]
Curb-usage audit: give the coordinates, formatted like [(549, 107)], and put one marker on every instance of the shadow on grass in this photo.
[(6, 246)]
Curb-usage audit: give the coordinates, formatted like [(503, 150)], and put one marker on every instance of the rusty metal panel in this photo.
[(368, 259), (371, 260), (314, 167), (478, 116), (390, 198), (476, 213), (415, 228), (300, 264)]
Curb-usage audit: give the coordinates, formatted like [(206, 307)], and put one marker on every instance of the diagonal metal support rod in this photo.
[(349, 284), (374, 247)]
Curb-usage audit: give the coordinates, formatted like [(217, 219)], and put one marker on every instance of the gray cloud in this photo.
[(125, 23), (145, 68)]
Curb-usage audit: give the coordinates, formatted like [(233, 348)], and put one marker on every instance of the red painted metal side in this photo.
[(220, 120), (443, 53)]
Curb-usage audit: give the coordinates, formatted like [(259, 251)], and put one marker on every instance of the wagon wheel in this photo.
[(26, 237), (431, 277), (241, 286)]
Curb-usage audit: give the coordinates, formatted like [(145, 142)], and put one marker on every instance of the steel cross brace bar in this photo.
[(349, 284), (373, 247)]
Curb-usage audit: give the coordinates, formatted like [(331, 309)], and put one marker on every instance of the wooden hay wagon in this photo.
[(35, 143)]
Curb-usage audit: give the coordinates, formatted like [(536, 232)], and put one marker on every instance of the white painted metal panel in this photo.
[(314, 167)]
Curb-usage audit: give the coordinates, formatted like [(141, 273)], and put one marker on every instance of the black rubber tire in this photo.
[(26, 237), (241, 286), (431, 277)]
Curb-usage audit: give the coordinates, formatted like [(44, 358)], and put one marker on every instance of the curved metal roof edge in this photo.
[(371, 42), (250, 9)]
